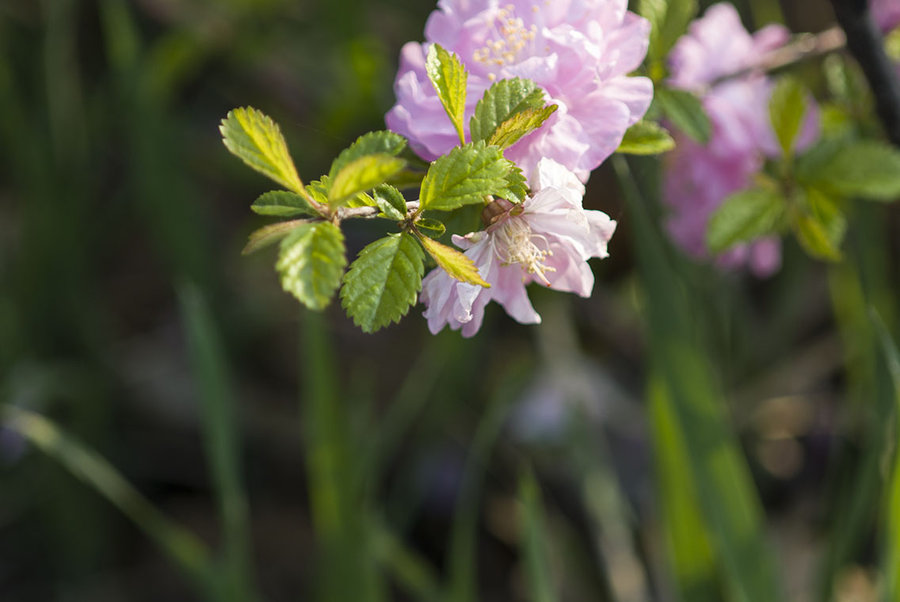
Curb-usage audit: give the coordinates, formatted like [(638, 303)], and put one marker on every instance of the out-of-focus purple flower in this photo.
[(698, 178), (886, 14), (547, 239), (578, 51)]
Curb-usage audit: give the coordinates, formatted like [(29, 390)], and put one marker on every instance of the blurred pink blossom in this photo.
[(698, 178), (886, 14), (547, 239), (578, 51)]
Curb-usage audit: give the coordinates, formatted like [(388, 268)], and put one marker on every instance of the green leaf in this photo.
[(517, 185), (360, 175), (890, 465), (669, 19), (685, 111), (465, 176), (534, 544), (282, 203), (864, 169), (503, 100), (827, 213), (787, 107), (257, 141), (449, 77), (390, 201), (521, 124), (435, 227), (311, 263), (262, 238), (812, 235), (744, 216), (646, 138), (383, 282), (373, 143), (456, 264)]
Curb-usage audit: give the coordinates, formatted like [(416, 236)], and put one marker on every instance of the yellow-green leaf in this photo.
[(456, 264), (257, 141), (522, 123), (449, 77), (265, 236), (646, 138), (361, 175)]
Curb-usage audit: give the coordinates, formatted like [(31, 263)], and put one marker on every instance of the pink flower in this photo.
[(577, 51), (547, 239), (886, 14), (698, 178)]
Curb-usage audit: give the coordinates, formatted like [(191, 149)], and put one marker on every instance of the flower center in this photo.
[(516, 242), (512, 37)]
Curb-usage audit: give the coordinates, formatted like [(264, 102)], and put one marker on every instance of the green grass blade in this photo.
[(221, 436), (691, 556), (728, 500), (347, 567), (534, 542), (182, 547), (891, 543), (462, 556), (858, 286), (412, 573)]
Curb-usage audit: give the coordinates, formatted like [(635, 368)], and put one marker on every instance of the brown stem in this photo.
[(368, 212), (802, 48)]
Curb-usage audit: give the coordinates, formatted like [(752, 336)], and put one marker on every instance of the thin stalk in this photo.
[(221, 436)]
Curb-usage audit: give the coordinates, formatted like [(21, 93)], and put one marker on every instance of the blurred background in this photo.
[(288, 456)]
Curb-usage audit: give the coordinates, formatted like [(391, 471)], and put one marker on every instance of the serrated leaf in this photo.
[(521, 124), (669, 19), (361, 175), (390, 201), (282, 203), (456, 264), (449, 78), (465, 176), (256, 140), (373, 143), (268, 235), (744, 216), (383, 282), (787, 107), (516, 185), (646, 138), (500, 102), (685, 111), (311, 263), (866, 169), (812, 235)]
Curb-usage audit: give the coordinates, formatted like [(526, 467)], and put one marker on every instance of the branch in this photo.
[(803, 47), (368, 212), (867, 46)]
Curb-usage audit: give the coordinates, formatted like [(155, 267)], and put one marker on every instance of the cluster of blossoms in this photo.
[(699, 177), (579, 52)]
